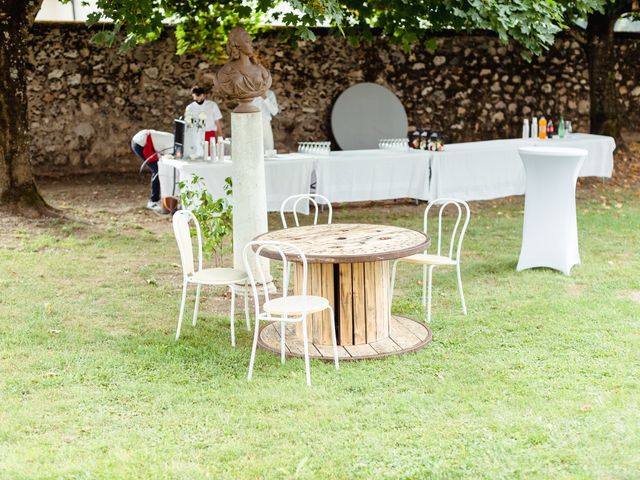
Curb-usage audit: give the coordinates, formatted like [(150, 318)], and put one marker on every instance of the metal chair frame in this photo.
[(311, 197), (456, 239), (182, 233), (285, 318)]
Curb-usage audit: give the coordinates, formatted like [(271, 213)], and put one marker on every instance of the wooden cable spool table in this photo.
[(349, 264)]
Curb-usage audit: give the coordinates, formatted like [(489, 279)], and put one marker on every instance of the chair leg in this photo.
[(246, 306), (464, 305), (184, 299), (424, 285), (430, 282), (305, 343), (393, 284), (232, 316), (195, 309), (282, 341), (333, 338), (254, 347)]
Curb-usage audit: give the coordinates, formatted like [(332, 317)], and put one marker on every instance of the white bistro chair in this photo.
[(288, 308), (450, 258), (309, 197), (230, 277)]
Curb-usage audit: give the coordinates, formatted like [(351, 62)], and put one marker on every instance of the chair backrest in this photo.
[(182, 233), (309, 197), (282, 249), (457, 233)]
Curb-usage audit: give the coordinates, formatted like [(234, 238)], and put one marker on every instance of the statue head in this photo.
[(240, 43)]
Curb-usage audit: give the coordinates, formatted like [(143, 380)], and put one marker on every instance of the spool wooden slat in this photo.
[(371, 296), (359, 311), (346, 304)]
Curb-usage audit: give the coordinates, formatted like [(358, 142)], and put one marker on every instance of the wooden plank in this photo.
[(371, 296), (328, 293), (346, 304), (271, 336), (360, 350), (418, 330), (359, 313), (315, 288), (348, 243), (296, 347), (403, 337), (385, 345), (383, 277), (327, 351)]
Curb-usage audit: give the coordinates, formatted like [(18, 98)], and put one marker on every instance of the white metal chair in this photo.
[(310, 197), (288, 308), (204, 276), (431, 261)]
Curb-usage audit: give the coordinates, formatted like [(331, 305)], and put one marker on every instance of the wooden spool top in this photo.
[(348, 243)]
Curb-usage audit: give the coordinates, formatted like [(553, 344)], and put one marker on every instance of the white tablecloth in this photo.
[(363, 175), (492, 169), (285, 175), (550, 228), (468, 171)]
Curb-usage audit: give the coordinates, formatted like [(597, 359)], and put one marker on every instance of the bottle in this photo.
[(424, 136), (534, 127), (415, 140), (542, 128), (561, 127), (550, 130), (525, 128)]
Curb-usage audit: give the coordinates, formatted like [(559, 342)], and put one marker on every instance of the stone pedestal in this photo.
[(249, 185)]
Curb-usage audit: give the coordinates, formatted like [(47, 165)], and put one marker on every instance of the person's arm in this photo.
[(217, 116), (269, 101)]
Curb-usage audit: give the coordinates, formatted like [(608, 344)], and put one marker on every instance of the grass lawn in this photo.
[(540, 380)]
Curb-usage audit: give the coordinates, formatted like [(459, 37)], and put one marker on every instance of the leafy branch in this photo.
[(214, 215)]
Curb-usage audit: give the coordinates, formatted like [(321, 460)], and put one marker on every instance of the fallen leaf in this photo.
[(586, 408), (54, 331), (152, 281)]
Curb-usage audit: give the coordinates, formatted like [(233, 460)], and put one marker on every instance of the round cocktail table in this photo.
[(349, 265), (550, 227)]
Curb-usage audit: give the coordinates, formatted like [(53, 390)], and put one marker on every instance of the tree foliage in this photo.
[(202, 25)]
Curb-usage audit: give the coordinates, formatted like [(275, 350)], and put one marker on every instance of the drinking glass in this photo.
[(568, 129)]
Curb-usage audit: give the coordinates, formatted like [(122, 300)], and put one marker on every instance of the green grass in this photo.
[(540, 380)]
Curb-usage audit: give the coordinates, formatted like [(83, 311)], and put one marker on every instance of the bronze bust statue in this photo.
[(242, 78)]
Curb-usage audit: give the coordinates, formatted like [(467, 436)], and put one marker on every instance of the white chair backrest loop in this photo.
[(314, 198), (282, 249), (182, 233), (457, 233)]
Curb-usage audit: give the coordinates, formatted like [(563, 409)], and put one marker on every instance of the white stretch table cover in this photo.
[(285, 175), (492, 169), (364, 175), (550, 229)]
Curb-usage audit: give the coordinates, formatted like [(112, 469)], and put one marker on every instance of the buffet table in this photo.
[(492, 169), (286, 175), (467, 171)]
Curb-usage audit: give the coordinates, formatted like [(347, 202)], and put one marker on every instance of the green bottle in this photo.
[(561, 128)]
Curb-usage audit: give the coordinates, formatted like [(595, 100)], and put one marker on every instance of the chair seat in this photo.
[(295, 305), (218, 276), (426, 259)]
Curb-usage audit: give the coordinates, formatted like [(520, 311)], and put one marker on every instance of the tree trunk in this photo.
[(18, 190), (604, 116)]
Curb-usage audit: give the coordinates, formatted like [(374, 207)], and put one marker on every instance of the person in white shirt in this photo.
[(213, 123), (268, 105), (147, 144)]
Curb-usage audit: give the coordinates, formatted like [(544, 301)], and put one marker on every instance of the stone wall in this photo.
[(87, 101)]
